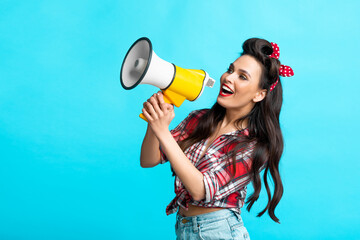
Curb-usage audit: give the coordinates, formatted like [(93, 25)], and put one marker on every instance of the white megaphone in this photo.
[(142, 66)]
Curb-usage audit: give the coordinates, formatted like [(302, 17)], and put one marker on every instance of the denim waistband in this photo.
[(208, 217)]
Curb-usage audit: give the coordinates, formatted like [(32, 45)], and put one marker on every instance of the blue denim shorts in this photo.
[(221, 224)]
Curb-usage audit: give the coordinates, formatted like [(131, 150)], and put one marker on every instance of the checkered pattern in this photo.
[(219, 190)]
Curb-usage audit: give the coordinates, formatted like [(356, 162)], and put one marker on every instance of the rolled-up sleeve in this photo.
[(179, 133), (211, 185), (217, 180)]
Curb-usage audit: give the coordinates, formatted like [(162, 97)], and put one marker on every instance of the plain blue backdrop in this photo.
[(70, 135)]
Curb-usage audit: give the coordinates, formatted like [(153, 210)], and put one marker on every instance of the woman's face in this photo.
[(242, 79)]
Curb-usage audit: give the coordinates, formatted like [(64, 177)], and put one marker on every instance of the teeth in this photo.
[(226, 88)]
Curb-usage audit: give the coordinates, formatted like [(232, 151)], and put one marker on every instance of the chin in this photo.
[(219, 102)]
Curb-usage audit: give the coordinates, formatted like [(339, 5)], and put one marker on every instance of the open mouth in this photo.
[(226, 91)]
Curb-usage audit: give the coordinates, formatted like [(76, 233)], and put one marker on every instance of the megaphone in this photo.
[(142, 66)]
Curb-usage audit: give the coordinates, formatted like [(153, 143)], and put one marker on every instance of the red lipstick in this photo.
[(222, 93)]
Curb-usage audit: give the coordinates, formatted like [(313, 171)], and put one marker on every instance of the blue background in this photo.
[(70, 135)]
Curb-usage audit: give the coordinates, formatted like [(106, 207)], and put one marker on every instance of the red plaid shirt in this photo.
[(214, 166)]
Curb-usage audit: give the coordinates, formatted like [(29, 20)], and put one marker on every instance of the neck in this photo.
[(232, 115)]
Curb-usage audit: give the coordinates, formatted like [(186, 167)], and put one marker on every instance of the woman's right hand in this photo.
[(158, 113)]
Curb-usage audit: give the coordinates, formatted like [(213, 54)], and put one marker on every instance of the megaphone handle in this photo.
[(143, 116), (166, 99)]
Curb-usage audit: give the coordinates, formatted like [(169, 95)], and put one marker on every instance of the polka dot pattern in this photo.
[(284, 71), (274, 85), (276, 51)]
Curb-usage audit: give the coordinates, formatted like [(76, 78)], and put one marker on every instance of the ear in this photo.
[(260, 95)]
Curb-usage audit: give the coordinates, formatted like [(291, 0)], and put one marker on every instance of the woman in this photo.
[(214, 153)]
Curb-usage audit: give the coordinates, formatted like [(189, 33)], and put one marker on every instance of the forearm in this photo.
[(150, 153), (189, 175)]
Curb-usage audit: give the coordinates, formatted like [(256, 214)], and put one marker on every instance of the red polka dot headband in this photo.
[(284, 71)]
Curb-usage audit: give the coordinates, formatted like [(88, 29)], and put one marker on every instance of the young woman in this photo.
[(214, 153)]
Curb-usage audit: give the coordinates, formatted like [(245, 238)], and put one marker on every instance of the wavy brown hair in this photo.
[(263, 127)]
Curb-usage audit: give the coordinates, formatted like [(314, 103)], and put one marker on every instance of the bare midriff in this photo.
[(196, 210)]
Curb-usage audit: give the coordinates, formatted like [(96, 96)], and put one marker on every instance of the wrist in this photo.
[(163, 136)]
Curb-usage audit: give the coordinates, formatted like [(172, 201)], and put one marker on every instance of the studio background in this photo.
[(70, 135)]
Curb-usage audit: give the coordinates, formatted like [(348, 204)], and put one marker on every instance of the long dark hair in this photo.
[(263, 127)]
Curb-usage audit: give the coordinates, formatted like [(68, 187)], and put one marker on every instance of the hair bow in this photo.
[(284, 71)]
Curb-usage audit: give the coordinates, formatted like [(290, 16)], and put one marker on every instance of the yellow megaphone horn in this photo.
[(142, 66)]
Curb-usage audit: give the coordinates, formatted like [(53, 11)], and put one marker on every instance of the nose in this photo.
[(230, 77)]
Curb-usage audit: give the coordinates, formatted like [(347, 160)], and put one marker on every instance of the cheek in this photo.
[(242, 86), (244, 92), (222, 78)]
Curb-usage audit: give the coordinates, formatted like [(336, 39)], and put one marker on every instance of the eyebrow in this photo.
[(242, 70)]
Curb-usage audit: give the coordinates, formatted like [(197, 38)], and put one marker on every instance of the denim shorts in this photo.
[(221, 224)]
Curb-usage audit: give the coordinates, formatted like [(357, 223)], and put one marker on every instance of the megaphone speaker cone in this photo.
[(136, 63)]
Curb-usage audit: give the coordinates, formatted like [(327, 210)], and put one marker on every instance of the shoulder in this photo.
[(192, 120), (195, 115), (198, 113)]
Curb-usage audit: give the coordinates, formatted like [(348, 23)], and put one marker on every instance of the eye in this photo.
[(229, 70), (242, 76)]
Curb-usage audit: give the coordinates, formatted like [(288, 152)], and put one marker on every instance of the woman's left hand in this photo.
[(158, 113)]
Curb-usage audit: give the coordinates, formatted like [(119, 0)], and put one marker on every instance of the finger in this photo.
[(153, 99), (147, 115), (160, 97), (164, 108), (161, 103), (172, 111), (147, 101), (168, 106), (161, 100), (158, 111), (150, 110), (147, 105), (155, 106)]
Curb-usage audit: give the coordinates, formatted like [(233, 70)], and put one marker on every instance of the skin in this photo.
[(245, 85), (160, 114)]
